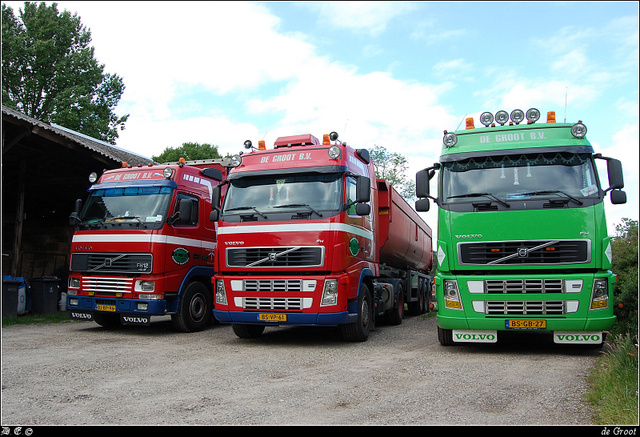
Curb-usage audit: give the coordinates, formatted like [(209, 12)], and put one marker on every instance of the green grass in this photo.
[(29, 319), (613, 383)]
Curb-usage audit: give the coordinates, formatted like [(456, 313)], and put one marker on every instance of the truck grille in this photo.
[(272, 303), (524, 286), (107, 285), (525, 307), (273, 285), (525, 252), (112, 262), (261, 257)]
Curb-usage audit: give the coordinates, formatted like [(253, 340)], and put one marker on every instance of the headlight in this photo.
[(452, 295), (502, 117), (221, 294), (486, 118), (450, 139), (334, 152), (579, 130), (517, 116), (74, 282), (145, 286), (236, 160), (600, 294), (330, 292)]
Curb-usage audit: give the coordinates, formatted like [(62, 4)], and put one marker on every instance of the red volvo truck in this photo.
[(307, 236), (144, 245)]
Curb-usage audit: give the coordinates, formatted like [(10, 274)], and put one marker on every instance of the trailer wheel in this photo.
[(445, 336), (248, 331), (195, 309), (359, 331), (397, 314), (109, 321)]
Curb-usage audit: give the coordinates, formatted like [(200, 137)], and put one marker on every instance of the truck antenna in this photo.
[(465, 115)]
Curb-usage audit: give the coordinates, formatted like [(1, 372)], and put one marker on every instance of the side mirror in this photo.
[(423, 205), (363, 189), (363, 209), (214, 215), (614, 169), (618, 197), (73, 217), (213, 173), (422, 180)]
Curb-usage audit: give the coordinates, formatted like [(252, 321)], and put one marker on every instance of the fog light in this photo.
[(142, 306), (73, 302), (330, 293)]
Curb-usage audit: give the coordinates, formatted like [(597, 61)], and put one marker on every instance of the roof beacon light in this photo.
[(325, 139), (450, 139), (470, 124), (502, 117), (486, 118), (261, 145), (551, 117), (579, 130), (517, 116), (533, 115), (181, 162)]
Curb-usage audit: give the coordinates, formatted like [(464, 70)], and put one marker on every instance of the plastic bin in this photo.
[(44, 294), (10, 296)]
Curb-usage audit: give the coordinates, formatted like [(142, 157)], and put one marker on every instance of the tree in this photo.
[(49, 72), (391, 167), (188, 151), (625, 264)]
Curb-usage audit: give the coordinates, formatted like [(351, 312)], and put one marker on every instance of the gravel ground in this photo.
[(79, 373)]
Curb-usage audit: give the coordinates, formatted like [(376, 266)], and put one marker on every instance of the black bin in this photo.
[(10, 297), (44, 294)]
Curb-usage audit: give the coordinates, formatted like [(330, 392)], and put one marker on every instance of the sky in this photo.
[(391, 74)]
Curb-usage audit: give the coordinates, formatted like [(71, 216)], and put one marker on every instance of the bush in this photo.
[(625, 264)]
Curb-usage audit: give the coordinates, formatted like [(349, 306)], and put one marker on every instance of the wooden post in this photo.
[(17, 242)]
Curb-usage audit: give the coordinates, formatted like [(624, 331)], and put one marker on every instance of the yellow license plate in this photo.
[(109, 308), (272, 317), (526, 324)]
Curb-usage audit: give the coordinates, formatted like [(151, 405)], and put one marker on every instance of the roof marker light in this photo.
[(551, 117), (502, 117), (579, 130), (533, 115), (470, 124), (486, 118), (517, 116)]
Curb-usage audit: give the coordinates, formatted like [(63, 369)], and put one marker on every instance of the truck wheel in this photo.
[(195, 309), (359, 331), (109, 321), (397, 314), (248, 331), (445, 336)]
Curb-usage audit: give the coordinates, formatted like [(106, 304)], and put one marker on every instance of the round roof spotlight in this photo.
[(333, 136), (533, 115), (248, 144), (235, 161), (579, 130), (502, 117), (334, 152), (167, 172), (93, 177), (486, 118), (517, 116), (450, 139)]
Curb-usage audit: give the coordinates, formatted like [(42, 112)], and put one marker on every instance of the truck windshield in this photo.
[(565, 177), (309, 193), (135, 204)]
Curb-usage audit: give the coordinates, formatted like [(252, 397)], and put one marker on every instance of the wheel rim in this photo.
[(197, 307), (365, 313)]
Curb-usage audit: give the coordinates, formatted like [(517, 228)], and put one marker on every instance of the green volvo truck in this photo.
[(522, 235)]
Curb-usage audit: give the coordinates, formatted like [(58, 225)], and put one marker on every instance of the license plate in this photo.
[(108, 308), (526, 324), (272, 317)]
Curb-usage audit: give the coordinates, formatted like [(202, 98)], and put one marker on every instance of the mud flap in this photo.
[(80, 315), (132, 319)]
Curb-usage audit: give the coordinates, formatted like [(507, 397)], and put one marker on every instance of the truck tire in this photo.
[(109, 321), (445, 336), (248, 331), (395, 316), (195, 310), (359, 331)]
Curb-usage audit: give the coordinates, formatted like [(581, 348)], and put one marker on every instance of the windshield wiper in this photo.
[(535, 193), (237, 208), (297, 205), (460, 196)]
